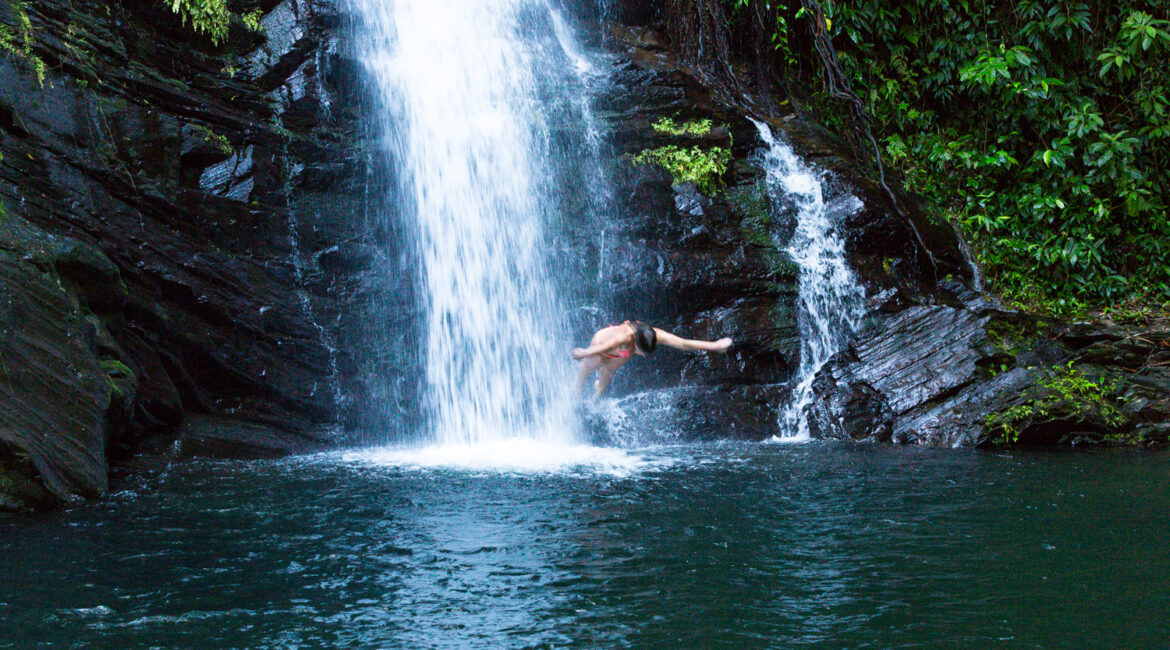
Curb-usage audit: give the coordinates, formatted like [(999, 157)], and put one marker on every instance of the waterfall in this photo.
[(477, 100), (831, 304)]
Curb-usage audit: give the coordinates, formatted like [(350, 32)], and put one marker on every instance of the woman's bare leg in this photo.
[(588, 365), (603, 379)]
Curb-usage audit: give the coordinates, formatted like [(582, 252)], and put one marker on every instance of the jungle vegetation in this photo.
[(1041, 128)]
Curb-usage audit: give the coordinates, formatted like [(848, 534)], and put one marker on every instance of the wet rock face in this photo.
[(703, 265), (687, 413), (936, 365), (942, 376), (54, 358), (713, 264), (168, 240)]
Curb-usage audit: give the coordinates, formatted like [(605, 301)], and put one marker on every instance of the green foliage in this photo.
[(703, 167), (214, 139), (252, 20), (1129, 314), (780, 29), (16, 40), (1067, 393), (209, 17), (1041, 128), (694, 128)]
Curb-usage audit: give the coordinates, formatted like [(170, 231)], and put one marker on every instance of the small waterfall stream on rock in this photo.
[(831, 302), (478, 102)]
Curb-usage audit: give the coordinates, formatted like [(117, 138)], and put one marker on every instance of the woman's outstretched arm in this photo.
[(608, 342), (666, 338)]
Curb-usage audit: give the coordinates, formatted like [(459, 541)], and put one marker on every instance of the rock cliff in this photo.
[(163, 273), (191, 262), (935, 364)]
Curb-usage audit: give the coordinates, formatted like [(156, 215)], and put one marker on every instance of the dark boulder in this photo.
[(167, 205), (943, 376), (62, 383)]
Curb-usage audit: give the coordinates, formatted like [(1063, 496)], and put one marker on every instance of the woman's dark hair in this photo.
[(645, 338)]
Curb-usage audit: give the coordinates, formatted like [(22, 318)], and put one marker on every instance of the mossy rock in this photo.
[(121, 379), (1074, 400), (20, 487)]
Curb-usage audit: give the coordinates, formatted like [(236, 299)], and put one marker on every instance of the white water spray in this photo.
[(473, 92), (831, 303)]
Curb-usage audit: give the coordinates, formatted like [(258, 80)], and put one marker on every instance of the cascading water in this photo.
[(475, 97), (831, 303), (598, 199)]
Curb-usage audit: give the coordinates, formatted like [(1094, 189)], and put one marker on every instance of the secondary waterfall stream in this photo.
[(477, 99), (831, 302)]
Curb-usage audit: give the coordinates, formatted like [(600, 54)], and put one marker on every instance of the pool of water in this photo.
[(735, 544)]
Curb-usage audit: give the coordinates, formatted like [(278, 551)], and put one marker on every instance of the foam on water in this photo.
[(513, 456)]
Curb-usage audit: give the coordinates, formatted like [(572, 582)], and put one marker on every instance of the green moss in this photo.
[(752, 205), (116, 368), (756, 231), (119, 376), (751, 201), (1066, 394), (780, 263), (754, 208)]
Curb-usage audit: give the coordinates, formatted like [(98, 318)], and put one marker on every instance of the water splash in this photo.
[(477, 100), (831, 302), (513, 456)]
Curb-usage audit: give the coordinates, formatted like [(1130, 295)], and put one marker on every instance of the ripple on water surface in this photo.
[(529, 545)]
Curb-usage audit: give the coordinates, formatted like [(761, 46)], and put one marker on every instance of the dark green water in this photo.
[(722, 545)]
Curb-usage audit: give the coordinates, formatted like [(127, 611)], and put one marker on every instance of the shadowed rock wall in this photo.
[(182, 241), (708, 265)]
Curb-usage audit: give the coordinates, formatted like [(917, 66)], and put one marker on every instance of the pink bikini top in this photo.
[(619, 354)]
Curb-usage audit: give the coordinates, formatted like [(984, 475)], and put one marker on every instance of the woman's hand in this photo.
[(722, 345), (579, 353)]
